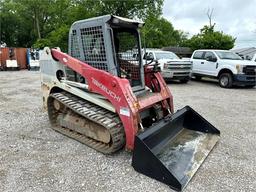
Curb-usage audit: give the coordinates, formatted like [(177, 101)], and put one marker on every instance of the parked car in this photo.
[(229, 68), (172, 67)]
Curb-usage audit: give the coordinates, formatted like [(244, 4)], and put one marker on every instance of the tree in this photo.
[(158, 33), (208, 38), (131, 8), (209, 15), (15, 30), (24, 21), (46, 23)]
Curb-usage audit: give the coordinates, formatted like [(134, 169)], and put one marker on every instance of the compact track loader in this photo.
[(102, 95)]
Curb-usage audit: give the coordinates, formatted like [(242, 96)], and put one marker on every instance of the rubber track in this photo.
[(90, 111)]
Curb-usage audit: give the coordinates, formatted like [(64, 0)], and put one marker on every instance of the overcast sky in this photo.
[(234, 17)]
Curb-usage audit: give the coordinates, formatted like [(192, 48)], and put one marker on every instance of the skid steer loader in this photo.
[(101, 95)]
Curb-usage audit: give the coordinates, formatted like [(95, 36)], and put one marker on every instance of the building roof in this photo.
[(248, 52), (179, 50)]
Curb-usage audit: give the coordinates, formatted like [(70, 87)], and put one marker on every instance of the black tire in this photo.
[(250, 86), (184, 80), (198, 78), (226, 80)]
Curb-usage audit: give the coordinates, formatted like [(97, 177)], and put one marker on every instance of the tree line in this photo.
[(39, 23)]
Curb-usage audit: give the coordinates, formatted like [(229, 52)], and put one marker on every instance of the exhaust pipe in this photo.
[(172, 150)]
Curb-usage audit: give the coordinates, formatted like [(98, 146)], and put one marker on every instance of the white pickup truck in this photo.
[(172, 67), (229, 68)]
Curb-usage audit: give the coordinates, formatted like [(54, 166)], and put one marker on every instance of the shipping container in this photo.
[(21, 57), (13, 55), (11, 63)]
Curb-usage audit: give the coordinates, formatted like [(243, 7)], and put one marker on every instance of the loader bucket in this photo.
[(172, 150)]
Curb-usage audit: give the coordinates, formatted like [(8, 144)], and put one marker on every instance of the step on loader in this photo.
[(102, 95)]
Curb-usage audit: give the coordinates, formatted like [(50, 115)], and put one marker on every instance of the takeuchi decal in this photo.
[(106, 90)]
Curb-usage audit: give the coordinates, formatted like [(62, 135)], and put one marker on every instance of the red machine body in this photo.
[(119, 92)]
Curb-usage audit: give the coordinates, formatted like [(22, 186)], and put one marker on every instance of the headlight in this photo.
[(239, 68)]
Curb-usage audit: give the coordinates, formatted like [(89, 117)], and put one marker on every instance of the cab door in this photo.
[(197, 62), (210, 63)]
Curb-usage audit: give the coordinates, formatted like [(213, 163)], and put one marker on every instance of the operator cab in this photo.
[(109, 43)]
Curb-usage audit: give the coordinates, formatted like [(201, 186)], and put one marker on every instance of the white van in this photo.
[(228, 67)]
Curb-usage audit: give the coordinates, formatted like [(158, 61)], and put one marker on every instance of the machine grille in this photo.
[(75, 52), (94, 47)]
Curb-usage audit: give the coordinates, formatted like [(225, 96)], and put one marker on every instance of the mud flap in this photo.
[(172, 150)]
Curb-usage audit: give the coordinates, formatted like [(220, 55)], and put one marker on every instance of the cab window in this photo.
[(198, 55), (148, 56), (209, 54)]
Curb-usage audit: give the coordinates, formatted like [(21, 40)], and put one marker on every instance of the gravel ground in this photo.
[(33, 157)]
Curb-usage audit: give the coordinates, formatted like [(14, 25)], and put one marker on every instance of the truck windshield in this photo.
[(165, 55), (228, 55)]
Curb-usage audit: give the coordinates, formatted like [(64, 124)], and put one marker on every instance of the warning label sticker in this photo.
[(125, 111)]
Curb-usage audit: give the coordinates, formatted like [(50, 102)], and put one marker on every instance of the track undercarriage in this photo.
[(88, 123)]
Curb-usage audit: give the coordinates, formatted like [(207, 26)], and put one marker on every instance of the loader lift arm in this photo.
[(118, 91)]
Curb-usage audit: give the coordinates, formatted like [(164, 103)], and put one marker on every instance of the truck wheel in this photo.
[(226, 80), (184, 80), (250, 86)]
